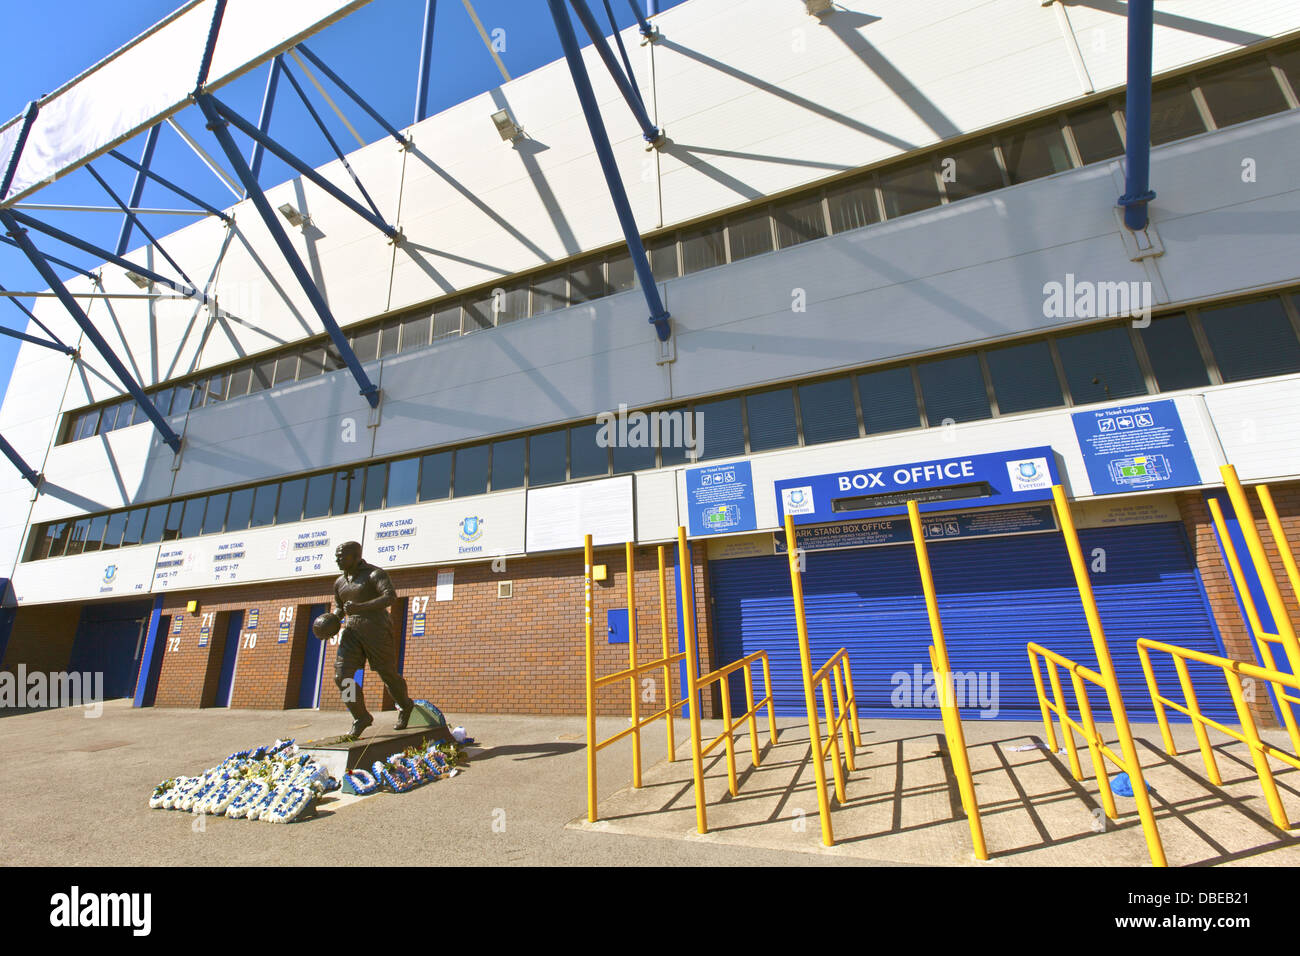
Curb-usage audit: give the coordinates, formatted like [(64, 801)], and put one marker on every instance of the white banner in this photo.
[(560, 515)]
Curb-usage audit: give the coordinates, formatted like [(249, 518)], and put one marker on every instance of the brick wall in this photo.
[(42, 637), (1237, 639), (522, 654)]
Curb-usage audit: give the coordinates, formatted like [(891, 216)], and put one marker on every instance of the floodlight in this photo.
[(139, 280), (506, 126), (293, 215), (819, 8)]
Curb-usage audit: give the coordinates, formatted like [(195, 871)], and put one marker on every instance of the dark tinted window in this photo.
[(318, 359), (888, 400), (749, 235), (722, 432), (828, 411), (172, 524), (771, 419), (263, 373), (403, 482), (1024, 377), (289, 507), (264, 505), (480, 312), (53, 542), (197, 393), (663, 257), (1171, 349), (1100, 366), (587, 281), (214, 516), (970, 170), (953, 388), (587, 458), (550, 292), (1242, 92), (241, 508), (622, 275), (909, 189), (471, 470), (348, 485), (1034, 152), (435, 476), (181, 398), (510, 302), (508, 464), (638, 451), (798, 220), (192, 519), (1290, 63), (388, 339), (217, 386), (1096, 134), (162, 400), (154, 523), (113, 529), (853, 207), (133, 532), (702, 249), (415, 332), (77, 540), (376, 479), (1173, 114), (320, 492), (286, 369), (1252, 340), (677, 433), (366, 344), (547, 458), (95, 533), (239, 380)]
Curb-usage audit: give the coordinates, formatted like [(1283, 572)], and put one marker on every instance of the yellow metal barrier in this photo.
[(630, 674), (839, 708), (1233, 671), (697, 684), (1103, 677), (1263, 639), (939, 663)]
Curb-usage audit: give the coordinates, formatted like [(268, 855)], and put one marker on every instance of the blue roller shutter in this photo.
[(995, 595)]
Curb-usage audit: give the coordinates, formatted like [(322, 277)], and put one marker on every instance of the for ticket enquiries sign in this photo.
[(1136, 447), (720, 499), (1018, 476)]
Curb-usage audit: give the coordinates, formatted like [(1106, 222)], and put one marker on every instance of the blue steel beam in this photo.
[(56, 233), (137, 189), (10, 219), (646, 29), (622, 52), (244, 126), (36, 340), (329, 138), (1137, 115), (659, 316), (32, 315), (208, 104), (353, 94), (426, 62), (132, 218), (7, 177), (210, 47), (651, 132), (264, 117), (24, 469), (184, 194)]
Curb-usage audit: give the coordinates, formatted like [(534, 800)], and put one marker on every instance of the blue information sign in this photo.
[(987, 522), (720, 499), (1135, 448), (1018, 476), (417, 624)]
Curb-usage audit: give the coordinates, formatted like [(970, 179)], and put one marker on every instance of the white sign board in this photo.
[(113, 573), (559, 516), (303, 550), (464, 529), (446, 584)]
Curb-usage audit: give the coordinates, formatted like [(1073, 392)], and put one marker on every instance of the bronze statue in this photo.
[(362, 595)]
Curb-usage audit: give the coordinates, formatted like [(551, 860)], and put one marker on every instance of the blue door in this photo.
[(313, 665), (110, 641), (995, 595), (226, 681)]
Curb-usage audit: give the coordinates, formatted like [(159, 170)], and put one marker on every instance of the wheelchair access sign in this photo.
[(1135, 448)]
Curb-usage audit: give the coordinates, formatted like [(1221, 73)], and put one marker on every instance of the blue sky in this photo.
[(376, 50)]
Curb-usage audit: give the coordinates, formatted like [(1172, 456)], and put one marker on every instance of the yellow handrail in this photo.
[(839, 702), (1233, 671)]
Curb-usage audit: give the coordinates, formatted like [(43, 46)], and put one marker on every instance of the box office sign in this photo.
[(1018, 476), (944, 526)]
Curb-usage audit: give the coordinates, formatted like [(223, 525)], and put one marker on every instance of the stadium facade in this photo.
[(888, 240)]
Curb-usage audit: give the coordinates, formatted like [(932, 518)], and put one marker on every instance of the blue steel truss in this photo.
[(24, 469)]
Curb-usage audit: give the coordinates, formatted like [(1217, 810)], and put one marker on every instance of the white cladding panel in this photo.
[(656, 506), (96, 474), (1259, 427), (438, 532), (84, 576), (294, 551)]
